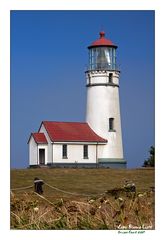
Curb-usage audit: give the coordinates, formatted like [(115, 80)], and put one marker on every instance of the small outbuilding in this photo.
[(65, 144)]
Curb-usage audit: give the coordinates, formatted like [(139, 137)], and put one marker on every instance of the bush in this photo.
[(150, 162)]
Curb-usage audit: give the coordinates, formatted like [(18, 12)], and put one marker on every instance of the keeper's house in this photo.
[(65, 144)]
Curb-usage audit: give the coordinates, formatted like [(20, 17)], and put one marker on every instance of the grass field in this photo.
[(57, 210)]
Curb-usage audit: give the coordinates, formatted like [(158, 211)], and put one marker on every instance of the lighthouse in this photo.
[(96, 142), (103, 103)]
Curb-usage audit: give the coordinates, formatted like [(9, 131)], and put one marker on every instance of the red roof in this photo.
[(102, 41), (71, 132), (39, 137)]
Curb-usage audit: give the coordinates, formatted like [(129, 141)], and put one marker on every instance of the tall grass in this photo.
[(31, 211)]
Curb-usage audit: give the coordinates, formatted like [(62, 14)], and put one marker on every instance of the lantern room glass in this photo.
[(102, 58)]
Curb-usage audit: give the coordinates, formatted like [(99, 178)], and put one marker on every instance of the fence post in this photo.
[(38, 185)]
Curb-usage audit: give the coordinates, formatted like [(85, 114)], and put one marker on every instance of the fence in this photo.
[(59, 190)]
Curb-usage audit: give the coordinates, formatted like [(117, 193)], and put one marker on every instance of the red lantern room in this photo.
[(102, 54)]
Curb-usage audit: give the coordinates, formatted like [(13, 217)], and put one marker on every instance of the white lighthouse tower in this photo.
[(103, 105)]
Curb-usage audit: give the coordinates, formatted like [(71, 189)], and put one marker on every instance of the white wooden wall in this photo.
[(74, 153), (32, 152), (49, 145)]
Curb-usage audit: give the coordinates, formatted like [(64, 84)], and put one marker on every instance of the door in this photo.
[(42, 156)]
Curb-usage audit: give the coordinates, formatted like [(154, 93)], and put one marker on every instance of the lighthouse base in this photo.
[(112, 163)]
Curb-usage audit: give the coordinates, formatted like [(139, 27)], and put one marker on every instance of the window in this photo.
[(89, 77), (101, 58), (64, 151), (85, 151), (111, 124), (110, 77)]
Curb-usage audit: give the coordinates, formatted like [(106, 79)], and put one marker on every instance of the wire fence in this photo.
[(59, 190), (22, 188)]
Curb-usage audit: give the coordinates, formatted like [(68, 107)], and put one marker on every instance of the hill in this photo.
[(79, 199)]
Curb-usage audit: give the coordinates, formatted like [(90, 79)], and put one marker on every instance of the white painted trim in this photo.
[(45, 147)]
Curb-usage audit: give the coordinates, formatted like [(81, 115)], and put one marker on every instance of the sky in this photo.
[(49, 57)]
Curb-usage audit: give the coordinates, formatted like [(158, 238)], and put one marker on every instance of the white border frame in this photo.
[(5, 7)]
